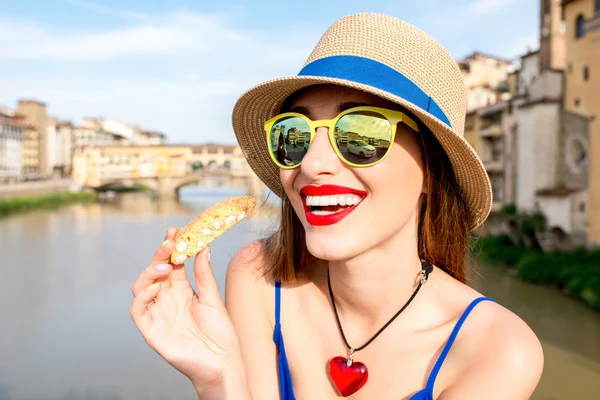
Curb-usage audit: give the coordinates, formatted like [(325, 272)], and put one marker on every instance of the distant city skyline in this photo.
[(178, 67)]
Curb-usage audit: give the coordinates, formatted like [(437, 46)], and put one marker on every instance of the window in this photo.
[(576, 153), (580, 27), (546, 6), (577, 102), (586, 73), (598, 6)]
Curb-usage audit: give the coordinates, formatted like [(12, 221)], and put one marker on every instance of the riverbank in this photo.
[(35, 188), (575, 273), (48, 201)]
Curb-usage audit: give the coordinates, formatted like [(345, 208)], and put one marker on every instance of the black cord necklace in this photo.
[(347, 375)]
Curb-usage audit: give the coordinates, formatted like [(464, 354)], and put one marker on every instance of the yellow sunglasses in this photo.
[(361, 136)]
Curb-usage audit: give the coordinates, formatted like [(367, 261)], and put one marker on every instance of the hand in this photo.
[(193, 332)]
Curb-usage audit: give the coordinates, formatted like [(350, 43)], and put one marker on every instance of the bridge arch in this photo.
[(120, 183), (213, 165)]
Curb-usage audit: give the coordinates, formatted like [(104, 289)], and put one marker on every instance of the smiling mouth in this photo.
[(327, 205)]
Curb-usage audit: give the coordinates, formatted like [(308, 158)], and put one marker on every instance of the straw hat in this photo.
[(389, 58)]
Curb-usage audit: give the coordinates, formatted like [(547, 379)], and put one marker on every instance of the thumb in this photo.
[(206, 284)]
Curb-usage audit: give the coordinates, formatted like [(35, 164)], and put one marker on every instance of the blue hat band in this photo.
[(373, 73)]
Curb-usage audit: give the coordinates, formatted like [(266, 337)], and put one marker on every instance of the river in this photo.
[(65, 292)]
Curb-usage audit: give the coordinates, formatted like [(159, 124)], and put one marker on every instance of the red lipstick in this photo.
[(328, 190)]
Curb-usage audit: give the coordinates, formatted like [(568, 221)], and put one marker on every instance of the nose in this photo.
[(320, 161)]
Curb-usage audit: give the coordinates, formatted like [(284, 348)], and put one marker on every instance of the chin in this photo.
[(335, 247), (347, 241)]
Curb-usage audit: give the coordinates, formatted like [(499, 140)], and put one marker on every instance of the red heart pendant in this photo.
[(347, 379)]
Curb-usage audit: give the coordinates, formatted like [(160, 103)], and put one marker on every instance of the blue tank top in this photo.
[(285, 379)]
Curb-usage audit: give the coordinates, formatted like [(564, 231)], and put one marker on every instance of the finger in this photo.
[(163, 253), (206, 284), (179, 273), (139, 307), (154, 273), (171, 231), (158, 264)]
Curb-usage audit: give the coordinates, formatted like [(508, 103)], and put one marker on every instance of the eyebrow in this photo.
[(343, 106)]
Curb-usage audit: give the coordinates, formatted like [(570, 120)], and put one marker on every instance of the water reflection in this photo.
[(143, 204), (66, 332), (568, 330)]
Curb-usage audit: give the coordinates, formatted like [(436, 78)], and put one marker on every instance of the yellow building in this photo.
[(485, 79), (31, 154), (35, 156), (582, 92), (552, 35), (472, 129)]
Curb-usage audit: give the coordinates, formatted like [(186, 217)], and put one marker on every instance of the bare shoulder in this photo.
[(245, 278), (249, 259), (500, 356), (250, 303)]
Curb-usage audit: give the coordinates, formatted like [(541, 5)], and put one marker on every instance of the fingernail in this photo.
[(152, 287), (165, 243), (161, 267)]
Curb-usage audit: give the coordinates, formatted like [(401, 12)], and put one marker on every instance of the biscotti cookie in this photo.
[(209, 225)]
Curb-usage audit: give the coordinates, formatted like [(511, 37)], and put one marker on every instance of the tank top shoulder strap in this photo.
[(277, 308), (286, 390), (450, 342)]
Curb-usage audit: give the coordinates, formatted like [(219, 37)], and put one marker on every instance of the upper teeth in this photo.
[(341, 199)]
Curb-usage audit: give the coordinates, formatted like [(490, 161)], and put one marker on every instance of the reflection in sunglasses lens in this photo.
[(363, 137), (289, 140)]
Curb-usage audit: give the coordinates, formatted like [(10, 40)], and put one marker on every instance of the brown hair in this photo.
[(444, 220)]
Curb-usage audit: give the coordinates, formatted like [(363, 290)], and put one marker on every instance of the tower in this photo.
[(553, 52)]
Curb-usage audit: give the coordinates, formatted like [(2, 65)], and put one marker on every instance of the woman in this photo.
[(281, 152), (361, 292)]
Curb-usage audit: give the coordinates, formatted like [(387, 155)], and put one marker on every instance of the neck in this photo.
[(371, 287)]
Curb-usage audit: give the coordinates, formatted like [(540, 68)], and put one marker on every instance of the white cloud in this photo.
[(486, 7), (100, 9), (211, 62), (177, 33)]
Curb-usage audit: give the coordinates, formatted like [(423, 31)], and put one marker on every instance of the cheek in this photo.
[(398, 178), (287, 177)]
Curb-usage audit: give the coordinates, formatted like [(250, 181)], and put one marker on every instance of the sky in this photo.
[(179, 66)]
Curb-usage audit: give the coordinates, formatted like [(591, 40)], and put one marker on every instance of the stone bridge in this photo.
[(163, 169)]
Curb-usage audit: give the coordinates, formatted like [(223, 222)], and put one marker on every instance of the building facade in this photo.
[(12, 133), (91, 134), (582, 77), (496, 149), (212, 156), (35, 154), (98, 132), (59, 147), (486, 79), (65, 154), (550, 165), (553, 39)]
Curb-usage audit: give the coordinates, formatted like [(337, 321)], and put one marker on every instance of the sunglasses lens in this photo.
[(363, 137), (289, 140)]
